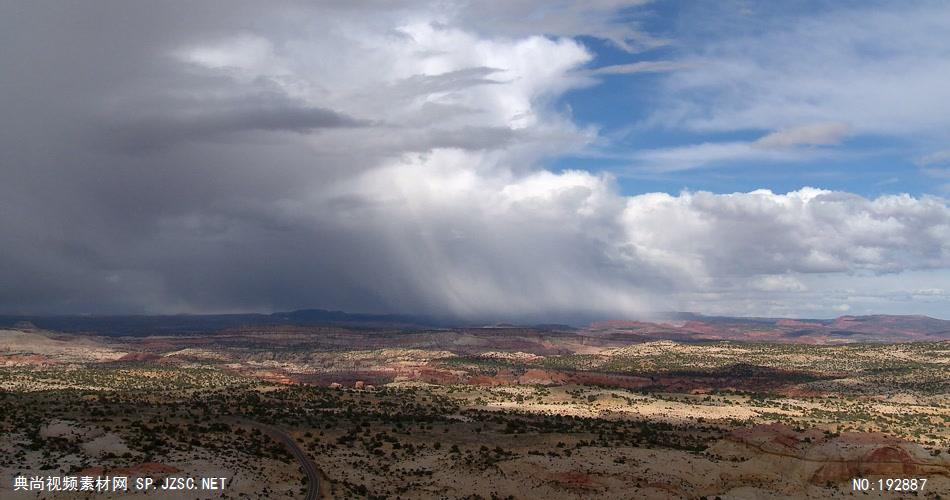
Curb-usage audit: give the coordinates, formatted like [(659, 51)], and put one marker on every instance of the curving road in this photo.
[(309, 468)]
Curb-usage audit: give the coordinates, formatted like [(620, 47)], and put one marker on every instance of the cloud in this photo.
[(708, 154), (811, 78), (778, 283), (935, 158), (822, 66), (805, 231), (937, 165), (376, 158), (450, 81), (168, 128), (481, 244), (639, 67), (787, 145), (183, 149), (612, 20), (816, 134)]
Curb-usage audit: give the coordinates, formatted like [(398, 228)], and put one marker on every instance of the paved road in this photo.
[(309, 468)]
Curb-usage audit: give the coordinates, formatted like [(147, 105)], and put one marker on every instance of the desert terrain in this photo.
[(683, 409)]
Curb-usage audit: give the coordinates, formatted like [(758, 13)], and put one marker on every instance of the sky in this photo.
[(521, 160)]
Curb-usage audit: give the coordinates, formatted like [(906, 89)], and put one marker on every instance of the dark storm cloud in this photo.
[(80, 221), (134, 180), (158, 131)]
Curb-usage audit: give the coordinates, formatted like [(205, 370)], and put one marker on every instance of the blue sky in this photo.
[(865, 160)]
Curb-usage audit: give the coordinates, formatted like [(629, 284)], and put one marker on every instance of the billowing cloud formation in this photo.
[(562, 241), (806, 231), (348, 156)]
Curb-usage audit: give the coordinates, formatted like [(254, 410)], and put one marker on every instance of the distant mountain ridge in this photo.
[(177, 324), (678, 326), (872, 328)]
